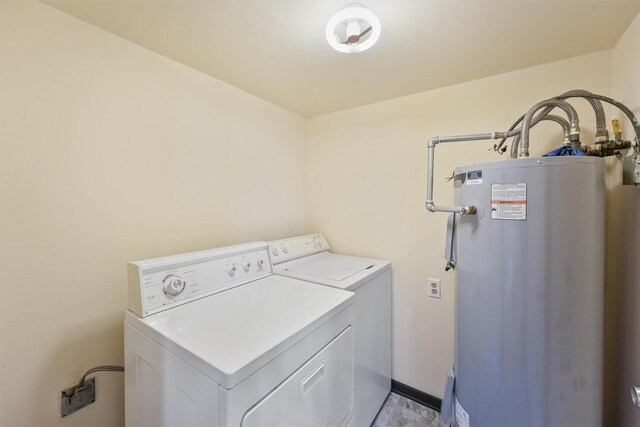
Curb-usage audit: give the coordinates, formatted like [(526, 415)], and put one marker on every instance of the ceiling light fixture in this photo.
[(358, 26)]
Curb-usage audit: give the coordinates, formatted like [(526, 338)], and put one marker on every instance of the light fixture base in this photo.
[(358, 19)]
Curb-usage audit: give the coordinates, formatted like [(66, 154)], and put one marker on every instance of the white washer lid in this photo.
[(332, 268), (339, 271), (230, 335)]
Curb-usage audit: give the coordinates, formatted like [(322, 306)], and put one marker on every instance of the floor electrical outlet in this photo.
[(72, 400), (434, 288)]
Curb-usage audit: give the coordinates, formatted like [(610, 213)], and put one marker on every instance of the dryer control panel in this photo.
[(296, 247), (162, 283)]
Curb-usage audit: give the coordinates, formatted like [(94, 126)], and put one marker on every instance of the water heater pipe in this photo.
[(526, 123), (431, 145), (550, 117), (601, 121), (531, 119)]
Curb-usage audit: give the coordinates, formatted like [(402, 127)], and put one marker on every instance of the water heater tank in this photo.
[(530, 293)]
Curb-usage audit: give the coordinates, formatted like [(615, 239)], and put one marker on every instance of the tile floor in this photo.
[(399, 411)]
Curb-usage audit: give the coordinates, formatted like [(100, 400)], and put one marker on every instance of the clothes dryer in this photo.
[(214, 338), (308, 258)]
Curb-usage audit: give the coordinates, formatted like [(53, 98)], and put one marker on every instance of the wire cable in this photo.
[(101, 368), (111, 368)]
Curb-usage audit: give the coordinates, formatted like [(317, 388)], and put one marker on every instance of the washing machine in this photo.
[(214, 338), (308, 258)]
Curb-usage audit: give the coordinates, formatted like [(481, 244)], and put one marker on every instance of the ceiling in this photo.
[(276, 49)]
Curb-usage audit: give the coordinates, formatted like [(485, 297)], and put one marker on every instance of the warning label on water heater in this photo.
[(462, 418), (509, 201)]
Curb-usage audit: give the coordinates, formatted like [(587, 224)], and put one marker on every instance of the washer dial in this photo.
[(173, 285), (231, 269)]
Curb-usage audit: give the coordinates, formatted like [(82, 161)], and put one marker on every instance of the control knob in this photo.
[(231, 269), (246, 266), (260, 264), (173, 285)]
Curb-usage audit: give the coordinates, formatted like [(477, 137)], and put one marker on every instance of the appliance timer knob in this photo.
[(231, 269), (173, 285), (260, 264), (246, 266)]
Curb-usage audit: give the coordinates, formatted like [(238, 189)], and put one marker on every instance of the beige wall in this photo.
[(111, 153), (366, 172), (623, 248)]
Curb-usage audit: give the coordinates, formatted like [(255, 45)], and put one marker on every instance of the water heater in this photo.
[(530, 293)]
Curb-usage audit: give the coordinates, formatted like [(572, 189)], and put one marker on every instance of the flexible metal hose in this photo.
[(597, 106), (586, 95), (598, 109), (526, 122), (562, 122), (601, 124), (601, 120), (632, 118)]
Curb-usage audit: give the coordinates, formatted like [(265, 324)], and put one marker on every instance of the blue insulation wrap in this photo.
[(565, 151)]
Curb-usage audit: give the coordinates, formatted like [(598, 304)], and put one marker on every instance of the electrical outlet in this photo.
[(433, 288)]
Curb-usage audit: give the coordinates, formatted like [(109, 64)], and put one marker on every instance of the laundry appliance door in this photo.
[(320, 393)]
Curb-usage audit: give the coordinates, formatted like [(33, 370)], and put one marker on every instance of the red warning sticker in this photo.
[(509, 201)]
